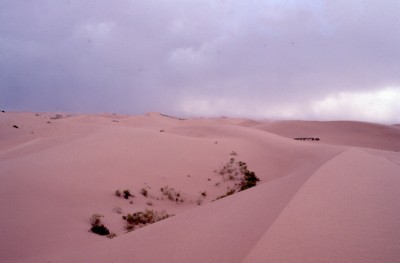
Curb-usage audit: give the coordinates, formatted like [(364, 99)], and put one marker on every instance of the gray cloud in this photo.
[(269, 58)]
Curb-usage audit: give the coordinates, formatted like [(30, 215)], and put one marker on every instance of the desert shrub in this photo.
[(118, 193), (201, 198), (228, 193), (95, 220), (97, 226), (127, 194), (56, 117), (100, 230), (306, 139), (111, 235), (237, 172), (144, 192), (171, 194), (144, 218), (230, 171), (249, 180)]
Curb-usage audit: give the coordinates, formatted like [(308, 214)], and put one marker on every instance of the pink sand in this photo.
[(335, 200)]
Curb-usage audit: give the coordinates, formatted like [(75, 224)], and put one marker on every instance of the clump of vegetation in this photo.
[(172, 194), (249, 180), (144, 192), (117, 209), (127, 194), (228, 193), (201, 198), (237, 172), (111, 235), (97, 226), (230, 171), (56, 117), (143, 218), (307, 139)]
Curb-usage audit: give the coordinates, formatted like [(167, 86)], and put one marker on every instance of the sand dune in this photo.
[(359, 134), (346, 212), (317, 201)]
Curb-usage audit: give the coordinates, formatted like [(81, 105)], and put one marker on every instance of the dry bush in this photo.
[(143, 218), (144, 192), (97, 226), (172, 194)]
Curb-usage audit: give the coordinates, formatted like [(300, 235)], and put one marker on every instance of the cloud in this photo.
[(98, 31), (236, 107), (375, 106), (378, 105), (272, 58)]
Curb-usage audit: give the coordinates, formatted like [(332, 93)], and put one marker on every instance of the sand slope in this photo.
[(317, 201), (346, 212), (360, 134)]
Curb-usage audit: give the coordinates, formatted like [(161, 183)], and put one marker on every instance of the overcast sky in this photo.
[(275, 59)]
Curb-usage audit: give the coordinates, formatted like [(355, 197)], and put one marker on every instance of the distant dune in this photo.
[(335, 199), (348, 133)]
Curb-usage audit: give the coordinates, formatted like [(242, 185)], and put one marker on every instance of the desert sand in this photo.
[(332, 200)]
